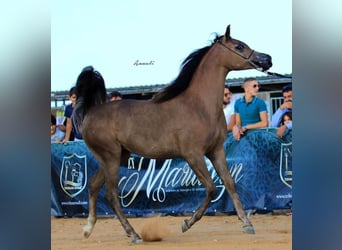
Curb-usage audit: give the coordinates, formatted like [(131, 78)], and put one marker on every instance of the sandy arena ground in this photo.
[(211, 232)]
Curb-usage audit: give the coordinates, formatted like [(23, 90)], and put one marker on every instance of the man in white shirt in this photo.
[(228, 108)]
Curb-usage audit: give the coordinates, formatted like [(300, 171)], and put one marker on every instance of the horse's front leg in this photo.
[(95, 184), (200, 169), (220, 164)]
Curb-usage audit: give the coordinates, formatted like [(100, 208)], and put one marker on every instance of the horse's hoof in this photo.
[(137, 240), (248, 229), (86, 231), (86, 234), (185, 226)]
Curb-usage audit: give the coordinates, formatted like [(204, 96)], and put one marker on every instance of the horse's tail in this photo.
[(91, 91)]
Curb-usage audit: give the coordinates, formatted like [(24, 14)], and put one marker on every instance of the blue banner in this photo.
[(260, 164)]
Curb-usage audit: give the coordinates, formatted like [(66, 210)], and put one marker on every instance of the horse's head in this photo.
[(244, 57)]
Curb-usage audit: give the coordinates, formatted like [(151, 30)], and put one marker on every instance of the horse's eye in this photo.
[(239, 46)]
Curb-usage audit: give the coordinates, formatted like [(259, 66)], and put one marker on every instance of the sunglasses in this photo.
[(227, 94), (256, 85)]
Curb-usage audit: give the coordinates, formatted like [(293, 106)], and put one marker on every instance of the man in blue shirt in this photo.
[(250, 110), (68, 128)]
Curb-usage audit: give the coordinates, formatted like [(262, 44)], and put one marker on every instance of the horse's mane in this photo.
[(188, 68), (91, 91)]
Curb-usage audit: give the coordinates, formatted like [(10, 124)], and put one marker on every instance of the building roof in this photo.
[(269, 83)]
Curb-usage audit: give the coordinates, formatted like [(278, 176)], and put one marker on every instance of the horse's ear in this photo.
[(227, 35)]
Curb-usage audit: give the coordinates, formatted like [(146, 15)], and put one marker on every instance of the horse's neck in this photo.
[(207, 84)]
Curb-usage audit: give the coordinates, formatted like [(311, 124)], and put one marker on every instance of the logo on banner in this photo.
[(285, 169), (73, 176)]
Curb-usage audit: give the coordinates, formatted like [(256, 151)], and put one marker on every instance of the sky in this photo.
[(143, 42)]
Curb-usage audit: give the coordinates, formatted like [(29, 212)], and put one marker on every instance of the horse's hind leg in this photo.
[(200, 169), (219, 162), (111, 173), (95, 184)]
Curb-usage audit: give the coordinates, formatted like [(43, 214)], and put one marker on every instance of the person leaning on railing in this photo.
[(250, 110)]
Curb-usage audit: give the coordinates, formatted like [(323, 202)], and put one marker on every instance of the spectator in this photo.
[(285, 107), (69, 134), (228, 108), (250, 110), (287, 118), (115, 96), (286, 124), (57, 135)]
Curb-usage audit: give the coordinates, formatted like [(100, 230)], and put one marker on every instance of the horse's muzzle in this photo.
[(263, 61)]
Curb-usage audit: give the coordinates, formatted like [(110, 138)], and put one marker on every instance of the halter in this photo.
[(252, 63), (246, 58)]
